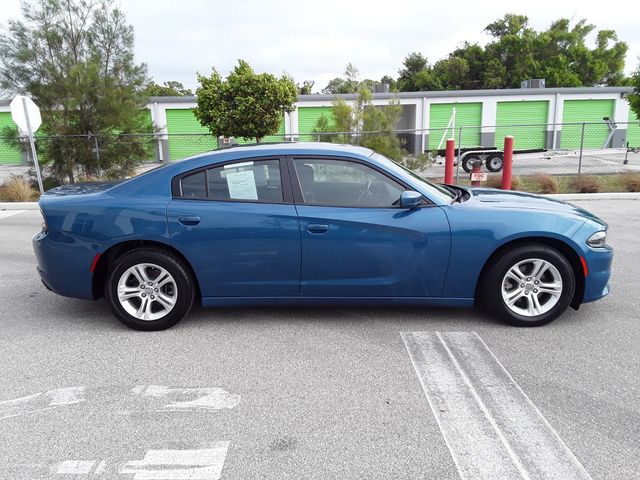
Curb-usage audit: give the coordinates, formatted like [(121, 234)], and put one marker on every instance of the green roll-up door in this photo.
[(467, 115), (8, 154), (579, 111), (633, 130), (182, 120), (530, 120), (308, 117), (180, 123)]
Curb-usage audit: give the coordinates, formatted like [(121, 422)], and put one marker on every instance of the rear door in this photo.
[(357, 241), (238, 227)]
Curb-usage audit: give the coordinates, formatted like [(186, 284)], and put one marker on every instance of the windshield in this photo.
[(435, 192)]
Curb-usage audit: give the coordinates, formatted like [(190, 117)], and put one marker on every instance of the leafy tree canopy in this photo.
[(361, 117), (306, 88), (559, 54), (245, 104), (75, 59), (167, 89)]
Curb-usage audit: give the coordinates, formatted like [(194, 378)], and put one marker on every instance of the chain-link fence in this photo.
[(555, 149)]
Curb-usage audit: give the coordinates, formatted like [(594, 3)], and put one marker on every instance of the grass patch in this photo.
[(17, 189), (544, 183)]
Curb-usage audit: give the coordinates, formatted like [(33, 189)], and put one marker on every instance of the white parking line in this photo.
[(198, 464), (41, 401), (75, 467), (9, 213), (491, 427), (201, 464), (208, 398)]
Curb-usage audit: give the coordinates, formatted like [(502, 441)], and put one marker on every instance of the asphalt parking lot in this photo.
[(294, 393)]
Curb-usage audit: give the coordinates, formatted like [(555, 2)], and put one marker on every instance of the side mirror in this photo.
[(410, 199)]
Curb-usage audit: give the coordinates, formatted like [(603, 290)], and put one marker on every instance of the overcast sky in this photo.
[(315, 40)]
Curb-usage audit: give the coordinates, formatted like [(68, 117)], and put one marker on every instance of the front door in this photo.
[(357, 241), (238, 228)]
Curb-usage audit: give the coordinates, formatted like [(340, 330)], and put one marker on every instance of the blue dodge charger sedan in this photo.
[(313, 223)]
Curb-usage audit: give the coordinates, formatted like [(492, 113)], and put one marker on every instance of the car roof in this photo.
[(290, 148)]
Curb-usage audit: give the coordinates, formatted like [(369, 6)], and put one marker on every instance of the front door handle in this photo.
[(189, 221), (317, 229)]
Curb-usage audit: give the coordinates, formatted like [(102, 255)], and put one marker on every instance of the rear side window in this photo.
[(253, 181), (194, 185)]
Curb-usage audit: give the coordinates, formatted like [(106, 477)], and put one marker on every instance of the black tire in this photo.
[(466, 162), (184, 282), (494, 162), (490, 290)]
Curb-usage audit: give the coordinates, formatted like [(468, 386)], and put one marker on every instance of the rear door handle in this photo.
[(189, 221), (317, 229)]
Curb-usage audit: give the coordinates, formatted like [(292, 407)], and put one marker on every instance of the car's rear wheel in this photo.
[(149, 289), (530, 285)]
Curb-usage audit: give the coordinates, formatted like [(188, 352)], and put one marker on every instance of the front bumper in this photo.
[(596, 283)]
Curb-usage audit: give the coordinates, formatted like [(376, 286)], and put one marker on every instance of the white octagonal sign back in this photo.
[(21, 107)]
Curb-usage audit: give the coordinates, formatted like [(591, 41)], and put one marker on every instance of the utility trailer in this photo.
[(491, 157)]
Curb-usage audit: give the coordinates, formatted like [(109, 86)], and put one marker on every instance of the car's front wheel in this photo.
[(149, 289), (530, 285)]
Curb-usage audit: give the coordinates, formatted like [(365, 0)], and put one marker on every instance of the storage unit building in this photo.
[(525, 120), (9, 155), (308, 118), (183, 121), (633, 130), (581, 111), (468, 115)]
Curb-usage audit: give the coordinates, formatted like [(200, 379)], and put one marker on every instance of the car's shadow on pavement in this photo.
[(97, 315)]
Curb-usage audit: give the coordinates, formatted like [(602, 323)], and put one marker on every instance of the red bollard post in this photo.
[(448, 161), (477, 168), (507, 163)]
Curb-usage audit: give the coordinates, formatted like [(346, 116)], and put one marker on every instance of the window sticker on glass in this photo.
[(238, 165), (242, 185)]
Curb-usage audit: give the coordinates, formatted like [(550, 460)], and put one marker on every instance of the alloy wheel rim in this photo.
[(147, 291), (531, 287), (495, 163)]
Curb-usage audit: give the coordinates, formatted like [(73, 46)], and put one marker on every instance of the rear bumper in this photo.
[(63, 265)]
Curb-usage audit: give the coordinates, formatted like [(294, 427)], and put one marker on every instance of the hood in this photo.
[(506, 199), (81, 188)]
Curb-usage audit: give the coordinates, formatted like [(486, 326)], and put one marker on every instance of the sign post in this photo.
[(26, 116)]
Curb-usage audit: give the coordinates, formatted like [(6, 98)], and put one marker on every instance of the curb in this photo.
[(596, 196), (557, 196), (19, 206)]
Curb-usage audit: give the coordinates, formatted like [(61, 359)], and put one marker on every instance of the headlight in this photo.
[(598, 239)]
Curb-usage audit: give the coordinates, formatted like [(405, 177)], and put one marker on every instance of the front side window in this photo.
[(257, 181), (341, 183)]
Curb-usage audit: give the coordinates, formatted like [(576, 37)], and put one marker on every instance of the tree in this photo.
[(245, 104), (306, 88), (167, 89), (365, 124), (414, 64), (559, 54), (75, 59), (634, 98), (335, 87), (351, 82), (451, 73), (389, 80)]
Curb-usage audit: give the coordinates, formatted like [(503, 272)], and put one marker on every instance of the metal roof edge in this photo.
[(425, 94)]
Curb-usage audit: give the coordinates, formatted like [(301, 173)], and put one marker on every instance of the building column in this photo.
[(488, 122)]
